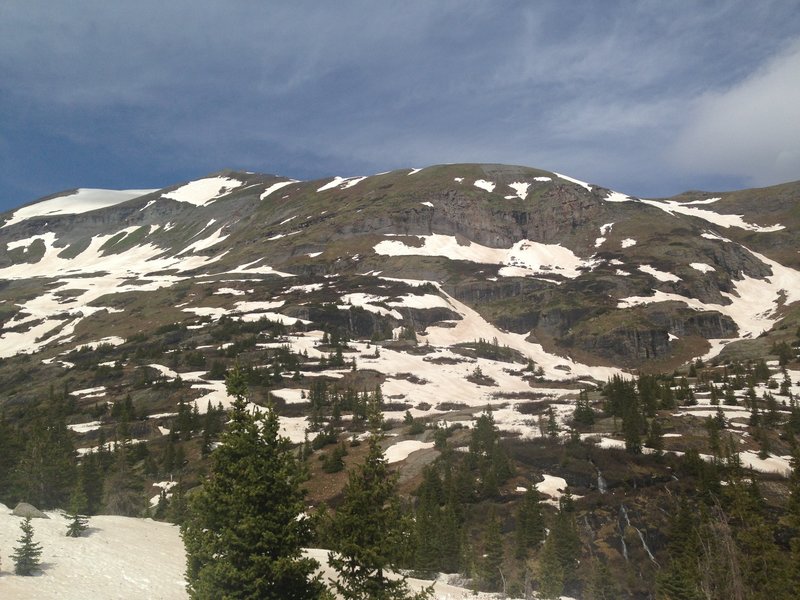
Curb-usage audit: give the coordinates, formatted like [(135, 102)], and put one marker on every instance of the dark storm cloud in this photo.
[(97, 93)]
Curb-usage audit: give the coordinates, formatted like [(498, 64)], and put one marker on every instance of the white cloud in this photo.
[(750, 129)]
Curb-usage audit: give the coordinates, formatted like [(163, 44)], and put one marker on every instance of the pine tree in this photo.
[(563, 540), (91, 474), (583, 414), (793, 516), (530, 524), (77, 507), (10, 448), (367, 532), (244, 531), (680, 579), (26, 555), (602, 585), (655, 437), (492, 563), (46, 470), (550, 573), (124, 493)]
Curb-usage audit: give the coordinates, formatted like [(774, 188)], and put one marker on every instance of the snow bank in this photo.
[(660, 275), (573, 180), (275, 187), (722, 220), (203, 191), (520, 188), (400, 451), (702, 267), (341, 183), (80, 201), (523, 258), (485, 185)]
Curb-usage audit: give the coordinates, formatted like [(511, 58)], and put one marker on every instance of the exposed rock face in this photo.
[(627, 346), (707, 324)]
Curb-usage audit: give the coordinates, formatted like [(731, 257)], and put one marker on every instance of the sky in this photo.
[(649, 98)]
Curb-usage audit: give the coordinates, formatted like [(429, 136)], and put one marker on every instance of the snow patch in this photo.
[(523, 258), (617, 197), (400, 451), (723, 220), (85, 427), (341, 182), (275, 187), (203, 191), (660, 275), (520, 188), (485, 185), (702, 267), (573, 180)]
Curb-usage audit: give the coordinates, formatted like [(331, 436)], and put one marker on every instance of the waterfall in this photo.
[(624, 514), (601, 482)]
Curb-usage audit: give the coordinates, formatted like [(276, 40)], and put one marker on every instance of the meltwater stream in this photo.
[(623, 513)]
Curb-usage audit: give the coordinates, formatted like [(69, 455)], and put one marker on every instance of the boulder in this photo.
[(25, 510)]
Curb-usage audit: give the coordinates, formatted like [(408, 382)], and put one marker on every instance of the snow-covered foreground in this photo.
[(122, 558)]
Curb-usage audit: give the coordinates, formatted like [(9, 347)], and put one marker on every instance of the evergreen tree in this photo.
[(793, 514), (10, 448), (530, 523), (124, 490), (564, 539), (764, 566), (583, 415), (655, 437), (680, 579), (550, 573), (244, 532), (367, 532), (602, 585), (427, 521), (492, 563), (488, 457), (26, 555), (92, 476), (77, 507), (45, 472)]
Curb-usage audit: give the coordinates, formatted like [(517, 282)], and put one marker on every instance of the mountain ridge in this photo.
[(599, 237)]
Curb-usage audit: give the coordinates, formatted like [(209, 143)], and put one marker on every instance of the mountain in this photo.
[(435, 294), (555, 267)]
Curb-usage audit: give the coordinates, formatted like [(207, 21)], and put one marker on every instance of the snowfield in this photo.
[(124, 558)]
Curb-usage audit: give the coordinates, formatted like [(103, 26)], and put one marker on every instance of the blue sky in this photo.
[(649, 98)]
